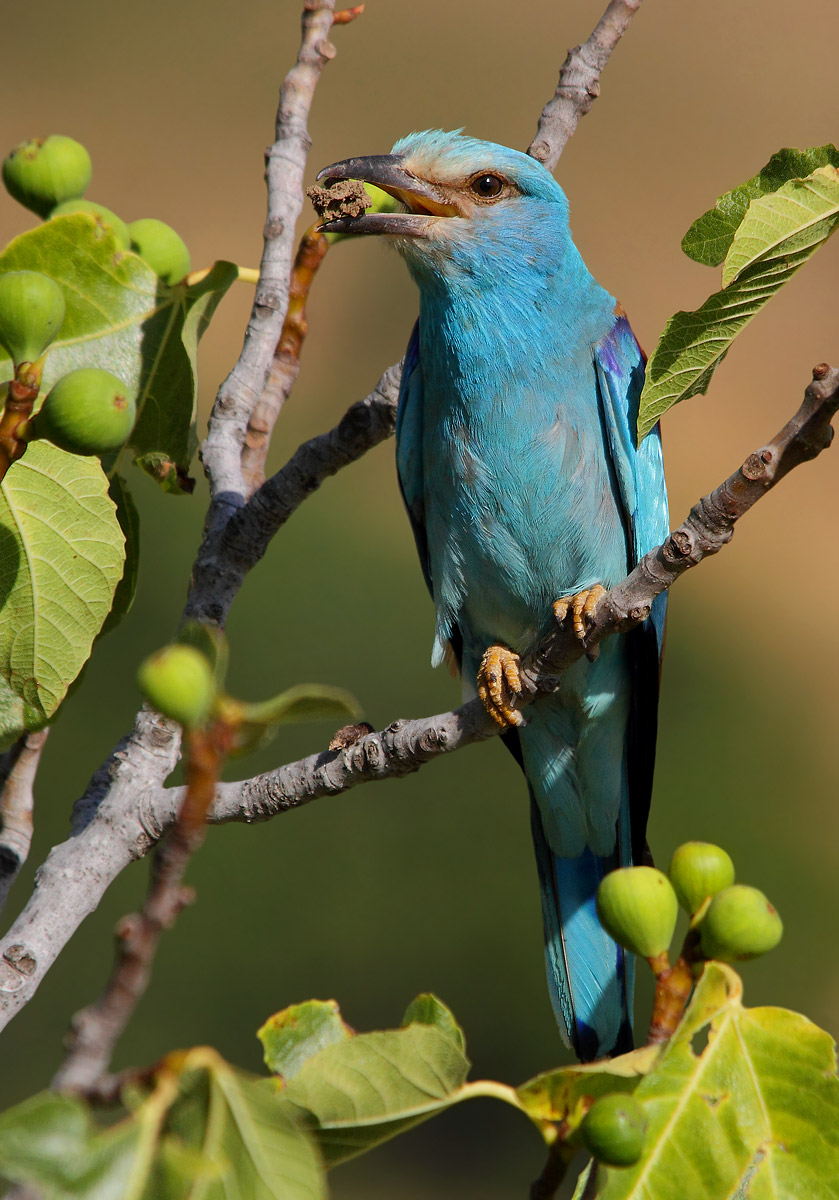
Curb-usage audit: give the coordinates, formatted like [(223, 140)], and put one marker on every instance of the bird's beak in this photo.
[(423, 200)]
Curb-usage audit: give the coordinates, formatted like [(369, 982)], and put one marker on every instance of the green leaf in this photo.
[(122, 318), (205, 1130), (798, 217), (295, 1034), (428, 1010), (211, 642), (239, 1125), (257, 723), (50, 1141), (365, 1089), (61, 558), (771, 244), (709, 237), (129, 523), (752, 1113), (555, 1095)]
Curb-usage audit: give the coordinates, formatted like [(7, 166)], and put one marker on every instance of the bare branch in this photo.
[(248, 533), (286, 364), (18, 767), (96, 1029), (285, 164), (579, 83)]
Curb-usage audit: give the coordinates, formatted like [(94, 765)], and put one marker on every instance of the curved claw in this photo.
[(581, 607), (499, 685)]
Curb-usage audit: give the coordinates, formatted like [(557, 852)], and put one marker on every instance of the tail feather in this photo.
[(590, 977)]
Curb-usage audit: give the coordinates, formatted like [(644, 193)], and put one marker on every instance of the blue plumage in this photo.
[(519, 467)]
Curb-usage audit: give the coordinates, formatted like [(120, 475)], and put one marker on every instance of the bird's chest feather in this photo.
[(521, 501)]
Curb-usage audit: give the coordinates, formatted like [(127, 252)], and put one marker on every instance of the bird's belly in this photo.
[(518, 518)]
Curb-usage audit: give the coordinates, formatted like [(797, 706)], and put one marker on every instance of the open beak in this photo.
[(423, 201)]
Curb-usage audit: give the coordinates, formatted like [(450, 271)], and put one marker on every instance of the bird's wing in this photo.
[(409, 466), (639, 472), (409, 469)]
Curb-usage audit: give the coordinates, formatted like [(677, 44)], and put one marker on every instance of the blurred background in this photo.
[(428, 884)]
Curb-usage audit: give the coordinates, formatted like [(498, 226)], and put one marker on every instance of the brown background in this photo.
[(428, 884)]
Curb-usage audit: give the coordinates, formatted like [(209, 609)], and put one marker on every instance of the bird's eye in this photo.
[(487, 187)]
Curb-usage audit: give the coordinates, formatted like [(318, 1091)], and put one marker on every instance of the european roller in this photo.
[(528, 494)]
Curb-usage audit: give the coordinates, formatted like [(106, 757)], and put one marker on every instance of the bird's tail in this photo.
[(590, 977)]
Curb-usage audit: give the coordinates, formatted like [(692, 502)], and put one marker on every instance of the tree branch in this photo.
[(404, 746), (579, 83), (18, 767)]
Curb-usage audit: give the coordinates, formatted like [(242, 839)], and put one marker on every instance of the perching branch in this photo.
[(579, 83), (404, 746)]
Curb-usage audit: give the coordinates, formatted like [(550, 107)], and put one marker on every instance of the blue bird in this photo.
[(528, 494)]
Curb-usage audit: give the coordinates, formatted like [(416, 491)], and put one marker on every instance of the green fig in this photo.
[(178, 681), (89, 411), (44, 172), (613, 1130), (161, 247), (740, 923), (31, 314), (637, 907), (104, 215), (697, 870)]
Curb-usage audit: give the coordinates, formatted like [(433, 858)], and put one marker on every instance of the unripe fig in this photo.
[(613, 1130), (740, 923), (116, 224), (697, 870), (31, 313), (161, 247), (44, 172), (88, 411), (637, 907), (178, 681)]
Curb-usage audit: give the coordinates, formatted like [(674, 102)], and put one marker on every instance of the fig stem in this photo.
[(20, 399), (672, 989)]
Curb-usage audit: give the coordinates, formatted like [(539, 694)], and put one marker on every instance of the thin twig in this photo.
[(579, 83), (18, 767), (96, 1029), (286, 365)]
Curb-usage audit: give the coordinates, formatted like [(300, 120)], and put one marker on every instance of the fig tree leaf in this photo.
[(50, 1142), (258, 722), (119, 316), (296, 1033), (768, 248), (205, 1130), (554, 1095), (751, 1112), (61, 558), (363, 1090), (709, 237), (428, 1010)]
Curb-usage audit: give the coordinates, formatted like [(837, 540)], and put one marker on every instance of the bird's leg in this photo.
[(499, 685), (580, 607)]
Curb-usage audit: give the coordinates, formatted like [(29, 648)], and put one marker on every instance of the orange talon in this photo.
[(499, 685), (582, 607)]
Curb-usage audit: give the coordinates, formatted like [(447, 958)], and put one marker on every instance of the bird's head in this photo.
[(464, 202)]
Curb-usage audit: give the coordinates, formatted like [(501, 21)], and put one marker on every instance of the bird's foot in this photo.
[(580, 608), (500, 685)]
